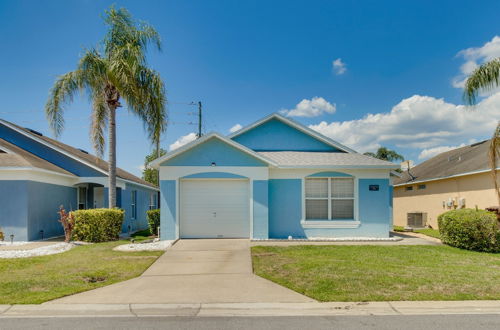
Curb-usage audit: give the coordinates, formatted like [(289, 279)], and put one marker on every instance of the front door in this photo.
[(98, 197)]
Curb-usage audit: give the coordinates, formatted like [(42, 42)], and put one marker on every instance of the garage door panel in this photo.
[(214, 208)]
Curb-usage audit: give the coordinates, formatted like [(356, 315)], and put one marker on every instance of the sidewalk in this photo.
[(254, 309)]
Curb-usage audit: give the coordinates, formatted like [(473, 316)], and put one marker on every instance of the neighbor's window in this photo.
[(82, 198), (134, 204), (409, 188), (152, 200), (329, 198), (421, 186)]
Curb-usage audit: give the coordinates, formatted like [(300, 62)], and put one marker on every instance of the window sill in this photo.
[(330, 224)]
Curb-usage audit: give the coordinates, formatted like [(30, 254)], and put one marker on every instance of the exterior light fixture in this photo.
[(11, 238), (41, 234), (214, 164)]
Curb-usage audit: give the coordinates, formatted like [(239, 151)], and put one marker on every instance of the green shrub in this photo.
[(97, 225), (398, 228), (154, 221), (470, 229)]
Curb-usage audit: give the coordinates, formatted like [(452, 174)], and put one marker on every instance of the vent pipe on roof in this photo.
[(409, 173)]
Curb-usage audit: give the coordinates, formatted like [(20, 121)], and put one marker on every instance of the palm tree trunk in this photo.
[(112, 155)]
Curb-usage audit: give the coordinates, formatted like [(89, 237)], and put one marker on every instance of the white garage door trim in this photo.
[(234, 207)]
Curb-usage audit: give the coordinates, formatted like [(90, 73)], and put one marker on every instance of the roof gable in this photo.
[(70, 159), (212, 150), (277, 133), (465, 160)]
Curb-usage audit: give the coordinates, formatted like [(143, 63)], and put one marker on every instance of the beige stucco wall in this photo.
[(477, 189)]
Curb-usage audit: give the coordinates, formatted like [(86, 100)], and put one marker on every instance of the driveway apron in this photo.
[(194, 271)]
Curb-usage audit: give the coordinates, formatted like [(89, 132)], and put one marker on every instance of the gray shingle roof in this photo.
[(22, 158), (454, 162), (86, 157), (304, 158)]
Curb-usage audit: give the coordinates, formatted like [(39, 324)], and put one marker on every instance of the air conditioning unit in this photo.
[(416, 219)]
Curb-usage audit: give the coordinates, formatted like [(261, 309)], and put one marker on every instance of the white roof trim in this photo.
[(156, 163), (388, 167), (297, 126), (409, 183), (52, 147), (36, 169), (396, 173)]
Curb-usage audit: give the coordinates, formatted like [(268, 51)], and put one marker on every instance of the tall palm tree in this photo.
[(485, 78), (385, 154), (115, 70)]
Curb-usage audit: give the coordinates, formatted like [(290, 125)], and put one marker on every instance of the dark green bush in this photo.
[(470, 229), (154, 221), (98, 225)]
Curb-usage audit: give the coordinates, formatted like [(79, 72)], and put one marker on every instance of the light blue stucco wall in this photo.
[(47, 153), (14, 209), (285, 208), (28, 207), (168, 211), (143, 195), (214, 151), (285, 211), (43, 205), (260, 209), (274, 135)]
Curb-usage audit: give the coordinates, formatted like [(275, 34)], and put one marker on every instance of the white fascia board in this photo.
[(139, 184), (397, 174), (385, 167), (409, 183), (27, 173), (34, 138), (156, 163), (297, 126)]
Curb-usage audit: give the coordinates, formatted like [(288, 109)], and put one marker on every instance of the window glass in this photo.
[(317, 188), (342, 188), (342, 209), (317, 209)]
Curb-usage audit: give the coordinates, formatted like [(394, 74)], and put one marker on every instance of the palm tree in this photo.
[(115, 70), (485, 78), (385, 154)]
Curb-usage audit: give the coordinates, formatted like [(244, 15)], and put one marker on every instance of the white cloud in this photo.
[(475, 56), (431, 152), (416, 123), (235, 128), (310, 108), (182, 141), (338, 66)]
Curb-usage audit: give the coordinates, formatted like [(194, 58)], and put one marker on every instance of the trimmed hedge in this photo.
[(470, 229), (98, 225), (153, 221)]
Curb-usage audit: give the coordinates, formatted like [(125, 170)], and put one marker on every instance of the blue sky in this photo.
[(397, 82)]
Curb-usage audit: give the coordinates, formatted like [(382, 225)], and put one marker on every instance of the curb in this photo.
[(253, 309)]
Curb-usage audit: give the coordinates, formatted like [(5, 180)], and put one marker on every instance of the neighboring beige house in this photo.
[(459, 178)]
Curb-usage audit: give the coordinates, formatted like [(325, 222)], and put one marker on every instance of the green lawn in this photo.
[(38, 279), (378, 273), (429, 232)]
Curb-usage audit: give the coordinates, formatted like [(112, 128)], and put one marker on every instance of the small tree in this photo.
[(385, 154), (68, 222), (150, 174)]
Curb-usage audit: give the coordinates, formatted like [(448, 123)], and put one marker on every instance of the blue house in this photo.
[(38, 174), (271, 180)]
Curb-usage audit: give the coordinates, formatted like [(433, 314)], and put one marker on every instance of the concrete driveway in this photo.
[(194, 271)]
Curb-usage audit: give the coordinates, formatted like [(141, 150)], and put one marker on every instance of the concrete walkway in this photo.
[(194, 271)]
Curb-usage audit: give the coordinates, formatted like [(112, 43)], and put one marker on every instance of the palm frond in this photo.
[(484, 78), (61, 94), (99, 122)]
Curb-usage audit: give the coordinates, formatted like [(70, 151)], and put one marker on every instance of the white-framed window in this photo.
[(133, 203), (329, 198), (82, 198), (152, 200)]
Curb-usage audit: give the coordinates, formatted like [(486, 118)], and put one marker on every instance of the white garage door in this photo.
[(214, 208)]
